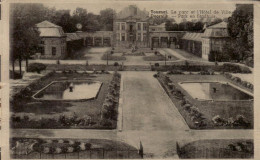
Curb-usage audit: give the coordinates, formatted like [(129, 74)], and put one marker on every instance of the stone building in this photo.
[(134, 27), (214, 39), (160, 27), (131, 27), (97, 39), (53, 41)]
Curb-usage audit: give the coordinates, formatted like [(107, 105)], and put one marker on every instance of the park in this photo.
[(135, 90)]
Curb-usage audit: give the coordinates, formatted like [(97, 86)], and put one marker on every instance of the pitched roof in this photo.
[(48, 29), (193, 36), (219, 25), (216, 31), (46, 24)]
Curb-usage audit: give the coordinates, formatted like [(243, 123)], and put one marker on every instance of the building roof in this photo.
[(219, 25), (72, 37), (46, 24), (48, 29), (216, 31), (193, 36), (162, 25)]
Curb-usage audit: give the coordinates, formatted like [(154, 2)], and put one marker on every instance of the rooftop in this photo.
[(48, 29), (216, 31), (193, 36)]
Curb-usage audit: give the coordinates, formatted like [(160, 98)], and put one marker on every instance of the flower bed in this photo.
[(239, 81), (233, 68), (206, 114), (112, 57), (134, 54), (30, 113), (32, 148), (221, 148), (110, 106)]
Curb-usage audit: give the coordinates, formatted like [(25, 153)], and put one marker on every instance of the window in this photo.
[(144, 26), (123, 26), (118, 37), (118, 26), (42, 41), (144, 37), (42, 50), (139, 26), (53, 49), (139, 37), (123, 37)]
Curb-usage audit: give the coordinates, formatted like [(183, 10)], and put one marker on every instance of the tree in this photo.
[(106, 19), (240, 29), (80, 15), (198, 26), (64, 19), (24, 36)]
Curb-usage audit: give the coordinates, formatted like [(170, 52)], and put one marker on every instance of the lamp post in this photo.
[(165, 59), (107, 59)]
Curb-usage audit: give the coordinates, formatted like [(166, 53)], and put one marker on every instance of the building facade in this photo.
[(53, 41), (131, 27), (214, 39)]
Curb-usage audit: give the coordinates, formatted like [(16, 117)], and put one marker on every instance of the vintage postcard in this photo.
[(130, 80)]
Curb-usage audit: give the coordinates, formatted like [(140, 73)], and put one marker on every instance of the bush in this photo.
[(106, 123), (116, 64), (228, 67), (15, 75), (174, 72), (36, 67), (155, 75)]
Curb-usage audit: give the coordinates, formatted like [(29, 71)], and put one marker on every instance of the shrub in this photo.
[(106, 123), (241, 121), (174, 72), (116, 64), (15, 75), (156, 65), (36, 67), (26, 118), (228, 67)]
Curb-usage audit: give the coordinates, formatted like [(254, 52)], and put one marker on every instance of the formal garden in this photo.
[(36, 148), (210, 100), (68, 99), (221, 148)]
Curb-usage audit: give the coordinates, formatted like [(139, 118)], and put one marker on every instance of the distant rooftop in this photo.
[(216, 31), (48, 29), (219, 25), (193, 36)]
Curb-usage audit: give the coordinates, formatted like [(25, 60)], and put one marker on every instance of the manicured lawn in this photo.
[(113, 57), (30, 113), (210, 109), (158, 57), (221, 148)]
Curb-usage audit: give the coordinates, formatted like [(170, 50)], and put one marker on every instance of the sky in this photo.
[(95, 7)]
